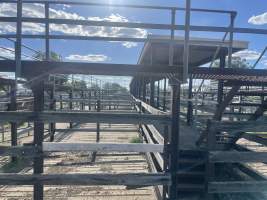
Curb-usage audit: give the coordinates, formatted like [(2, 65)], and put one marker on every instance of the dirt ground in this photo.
[(110, 162)]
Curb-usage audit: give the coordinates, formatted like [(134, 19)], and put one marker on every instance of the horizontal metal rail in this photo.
[(237, 187), (237, 157), (133, 25), (144, 179), (102, 147), (32, 151), (80, 117), (84, 3)]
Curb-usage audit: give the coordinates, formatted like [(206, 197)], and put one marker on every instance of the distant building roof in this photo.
[(201, 51)]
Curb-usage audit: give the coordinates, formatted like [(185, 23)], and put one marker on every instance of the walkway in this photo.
[(109, 162)]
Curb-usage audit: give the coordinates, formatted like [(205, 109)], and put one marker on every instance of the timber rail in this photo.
[(177, 164)]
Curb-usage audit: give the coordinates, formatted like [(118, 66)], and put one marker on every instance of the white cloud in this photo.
[(7, 52), (37, 10), (88, 58), (249, 55), (258, 19), (129, 44), (264, 62), (66, 6)]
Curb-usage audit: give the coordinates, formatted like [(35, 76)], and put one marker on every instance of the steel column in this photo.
[(164, 94), (174, 139), (18, 39), (97, 131), (47, 45), (38, 92), (231, 38), (186, 40), (210, 167), (144, 90), (152, 93), (140, 82), (189, 103), (220, 82), (158, 93), (71, 105), (13, 107), (52, 106)]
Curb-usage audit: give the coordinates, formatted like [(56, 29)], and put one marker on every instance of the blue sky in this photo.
[(116, 52)]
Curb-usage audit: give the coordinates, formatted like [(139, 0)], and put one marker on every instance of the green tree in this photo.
[(53, 56), (94, 86), (237, 62), (115, 87), (80, 84), (2, 89)]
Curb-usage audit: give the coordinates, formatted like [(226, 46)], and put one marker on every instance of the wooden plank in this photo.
[(103, 147), (249, 171), (235, 156), (145, 179), (83, 117), (26, 151), (255, 138), (158, 189), (25, 130), (156, 135), (150, 141), (93, 130), (237, 187), (149, 108)]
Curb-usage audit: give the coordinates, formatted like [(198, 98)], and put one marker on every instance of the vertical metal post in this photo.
[(152, 92), (89, 97), (3, 132), (171, 47), (140, 82), (61, 103), (231, 38), (158, 89), (144, 90), (220, 82), (97, 131), (82, 97), (38, 92), (186, 40), (164, 94), (189, 103), (47, 45), (13, 107), (13, 89), (174, 138), (71, 105), (18, 39), (174, 133), (98, 124), (262, 97), (166, 158), (210, 167), (52, 106)]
